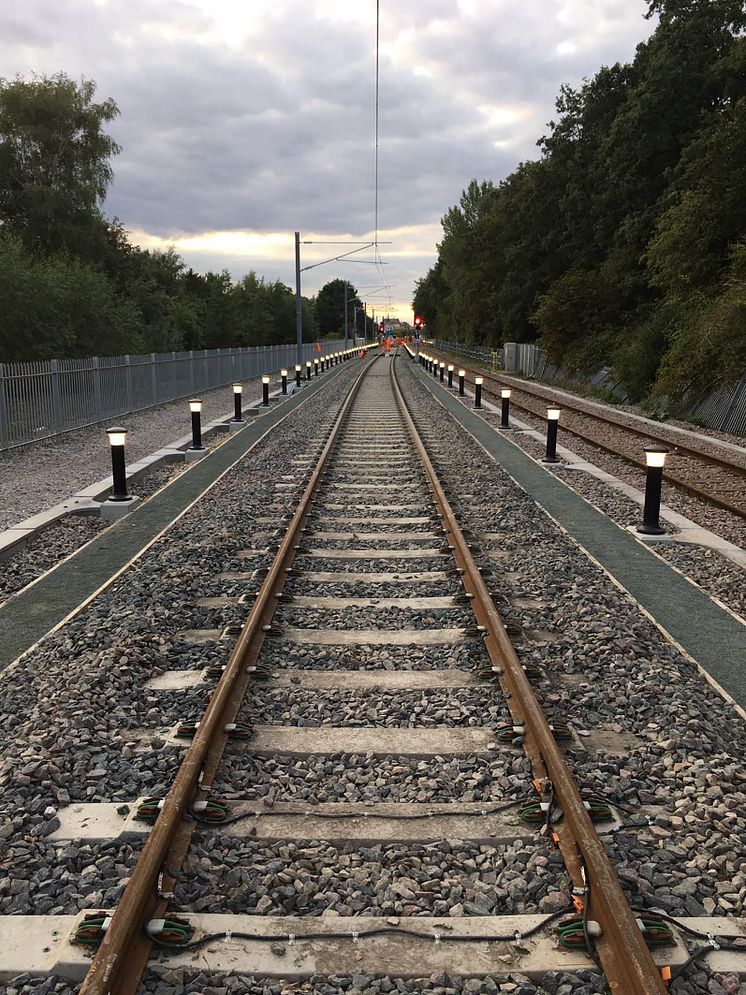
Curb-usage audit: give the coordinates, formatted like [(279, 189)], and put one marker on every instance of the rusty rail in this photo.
[(123, 953), (626, 960)]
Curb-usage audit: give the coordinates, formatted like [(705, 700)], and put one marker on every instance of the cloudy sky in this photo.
[(244, 120)]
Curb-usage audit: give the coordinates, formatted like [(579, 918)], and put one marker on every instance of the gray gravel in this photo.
[(709, 516), (80, 726), (43, 474)]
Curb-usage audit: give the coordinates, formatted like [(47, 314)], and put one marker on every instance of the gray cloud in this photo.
[(273, 131)]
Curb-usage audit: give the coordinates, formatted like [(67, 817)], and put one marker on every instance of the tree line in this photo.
[(624, 243), (71, 281)]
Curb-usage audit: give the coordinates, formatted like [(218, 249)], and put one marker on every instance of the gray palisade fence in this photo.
[(723, 408), (43, 399)]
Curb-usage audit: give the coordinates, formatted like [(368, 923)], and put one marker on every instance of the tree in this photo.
[(330, 307), (54, 158)]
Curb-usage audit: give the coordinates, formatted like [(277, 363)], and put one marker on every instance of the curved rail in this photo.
[(627, 962), (123, 953)]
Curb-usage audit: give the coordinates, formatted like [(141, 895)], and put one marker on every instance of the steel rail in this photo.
[(122, 956), (693, 489), (626, 960)]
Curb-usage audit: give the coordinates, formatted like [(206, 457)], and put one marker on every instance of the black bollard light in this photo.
[(297, 374), (442, 368), (553, 414), (308, 370), (478, 381), (505, 413), (655, 460), (265, 390), (450, 374), (435, 368), (237, 392), (195, 406), (117, 441), (461, 375), (315, 367), (284, 381)]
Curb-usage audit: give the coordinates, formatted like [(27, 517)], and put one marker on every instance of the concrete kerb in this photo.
[(687, 530), (713, 643), (89, 500)]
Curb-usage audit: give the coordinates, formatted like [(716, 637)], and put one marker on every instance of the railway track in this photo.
[(373, 609), (706, 470)]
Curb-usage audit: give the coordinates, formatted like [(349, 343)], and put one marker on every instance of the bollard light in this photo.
[(655, 460), (117, 441), (237, 392), (450, 374), (553, 414), (478, 381), (435, 368), (505, 414), (284, 381), (195, 406), (442, 372), (297, 374), (308, 370), (461, 376), (265, 391), (315, 367)]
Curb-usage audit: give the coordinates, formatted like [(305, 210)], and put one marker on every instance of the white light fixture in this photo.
[(195, 406), (117, 436), (655, 455), (462, 373), (238, 388), (283, 373), (553, 413), (450, 367), (505, 392), (265, 379), (479, 381)]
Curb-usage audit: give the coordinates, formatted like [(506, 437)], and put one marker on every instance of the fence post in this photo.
[(4, 427), (128, 381), (153, 378), (737, 393), (97, 408), (191, 372), (54, 369)]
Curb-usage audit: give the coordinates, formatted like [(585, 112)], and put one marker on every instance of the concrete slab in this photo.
[(424, 577), (321, 504), (40, 946), (405, 604), (112, 511), (366, 521), (378, 680), (357, 824), (374, 554), (299, 741), (176, 680), (374, 637), (376, 536), (378, 488)]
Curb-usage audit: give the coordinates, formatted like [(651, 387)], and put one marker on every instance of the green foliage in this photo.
[(622, 244), (54, 158), (330, 307), (71, 283)]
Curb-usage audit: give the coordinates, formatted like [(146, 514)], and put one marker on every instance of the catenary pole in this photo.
[(298, 303)]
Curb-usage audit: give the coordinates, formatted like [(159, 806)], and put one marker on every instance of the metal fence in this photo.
[(43, 399), (723, 409)]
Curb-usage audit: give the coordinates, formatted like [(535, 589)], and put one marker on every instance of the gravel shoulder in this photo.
[(38, 476)]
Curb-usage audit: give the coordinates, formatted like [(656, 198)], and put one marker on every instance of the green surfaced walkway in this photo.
[(28, 616), (708, 633)]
